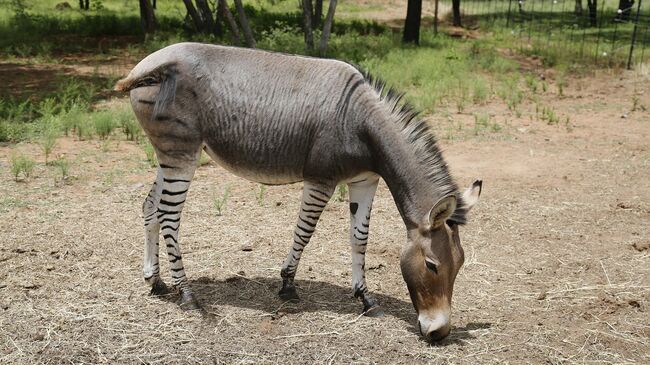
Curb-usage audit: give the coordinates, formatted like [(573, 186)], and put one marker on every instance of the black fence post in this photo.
[(636, 23), (508, 18)]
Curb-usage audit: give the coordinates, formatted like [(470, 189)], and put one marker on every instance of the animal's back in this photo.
[(271, 117)]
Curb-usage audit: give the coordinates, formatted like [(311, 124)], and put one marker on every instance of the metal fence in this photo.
[(603, 34)]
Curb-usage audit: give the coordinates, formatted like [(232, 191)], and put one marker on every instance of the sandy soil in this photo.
[(557, 260)]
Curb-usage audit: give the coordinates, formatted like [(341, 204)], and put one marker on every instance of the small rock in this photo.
[(277, 204), (31, 286), (241, 273), (247, 248), (541, 296), (641, 246)]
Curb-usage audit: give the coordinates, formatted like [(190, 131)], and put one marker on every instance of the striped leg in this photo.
[(151, 267), (175, 183), (361, 196), (314, 200)]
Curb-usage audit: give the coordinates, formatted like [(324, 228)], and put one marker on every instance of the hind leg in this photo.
[(314, 199), (361, 197), (175, 184), (151, 265)]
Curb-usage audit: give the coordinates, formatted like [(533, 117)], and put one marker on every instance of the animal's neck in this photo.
[(416, 177)]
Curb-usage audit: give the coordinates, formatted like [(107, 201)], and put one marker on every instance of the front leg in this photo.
[(314, 199), (361, 197)]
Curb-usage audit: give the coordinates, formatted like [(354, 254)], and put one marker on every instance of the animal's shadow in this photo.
[(261, 293)]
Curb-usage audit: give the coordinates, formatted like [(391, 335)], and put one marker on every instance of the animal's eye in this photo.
[(431, 266)]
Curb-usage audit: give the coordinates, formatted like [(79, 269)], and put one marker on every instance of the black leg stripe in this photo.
[(170, 220), (170, 193), (318, 199), (169, 236), (314, 205), (360, 239), (365, 225), (312, 225), (313, 211), (170, 228), (320, 192), (360, 231), (161, 211), (172, 204), (177, 270), (171, 181), (305, 241), (299, 243)]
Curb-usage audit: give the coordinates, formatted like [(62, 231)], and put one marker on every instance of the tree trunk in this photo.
[(196, 18), (147, 17), (309, 30), (435, 18), (318, 14), (593, 12), (234, 30), (84, 4), (578, 8), (154, 4), (243, 20), (455, 7), (219, 19), (206, 15), (327, 28), (412, 22), (626, 9)]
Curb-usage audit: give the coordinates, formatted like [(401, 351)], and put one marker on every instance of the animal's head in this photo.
[(430, 261)]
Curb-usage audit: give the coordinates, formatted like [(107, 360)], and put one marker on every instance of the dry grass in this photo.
[(550, 274)]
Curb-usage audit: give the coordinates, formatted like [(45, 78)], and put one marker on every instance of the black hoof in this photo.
[(159, 288), (188, 302), (374, 311), (289, 293), (191, 305)]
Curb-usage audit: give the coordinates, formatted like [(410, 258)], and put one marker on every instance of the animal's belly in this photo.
[(257, 169)]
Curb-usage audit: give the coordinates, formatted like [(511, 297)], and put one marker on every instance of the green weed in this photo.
[(204, 159), (47, 141), (64, 167), (219, 202), (259, 194), (341, 192)]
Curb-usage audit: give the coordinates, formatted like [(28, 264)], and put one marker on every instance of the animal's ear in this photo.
[(442, 210), (471, 195)]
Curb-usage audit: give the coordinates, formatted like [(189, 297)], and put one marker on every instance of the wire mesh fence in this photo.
[(607, 32)]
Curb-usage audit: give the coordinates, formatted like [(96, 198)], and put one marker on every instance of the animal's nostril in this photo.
[(438, 334)]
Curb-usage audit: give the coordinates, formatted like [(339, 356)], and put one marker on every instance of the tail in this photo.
[(163, 75)]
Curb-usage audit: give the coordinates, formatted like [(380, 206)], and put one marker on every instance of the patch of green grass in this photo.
[(21, 164), (150, 153), (103, 123), (341, 192)]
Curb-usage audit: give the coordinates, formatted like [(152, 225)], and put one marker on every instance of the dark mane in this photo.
[(420, 135)]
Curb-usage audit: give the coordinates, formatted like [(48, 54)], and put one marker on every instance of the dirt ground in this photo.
[(557, 260)]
